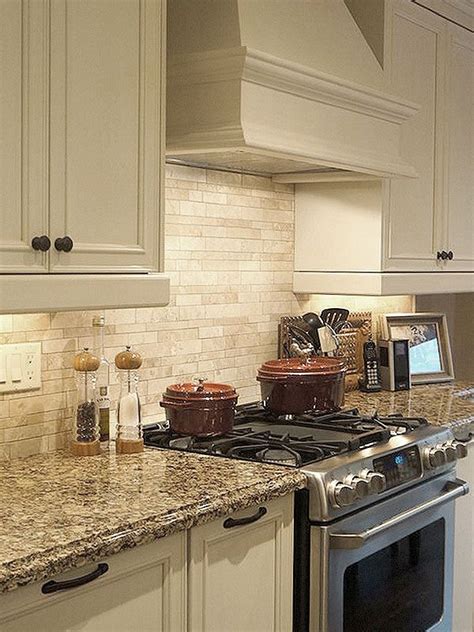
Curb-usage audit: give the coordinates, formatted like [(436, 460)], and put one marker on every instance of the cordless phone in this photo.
[(370, 382)]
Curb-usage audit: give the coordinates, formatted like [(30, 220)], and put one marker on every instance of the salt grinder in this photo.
[(129, 422), (86, 425)]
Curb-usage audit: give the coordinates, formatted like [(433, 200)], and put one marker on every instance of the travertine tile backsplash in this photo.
[(229, 252)]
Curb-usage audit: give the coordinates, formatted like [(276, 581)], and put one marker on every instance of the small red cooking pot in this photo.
[(200, 409), (294, 386)]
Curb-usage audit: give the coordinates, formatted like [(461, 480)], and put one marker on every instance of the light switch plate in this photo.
[(20, 367)]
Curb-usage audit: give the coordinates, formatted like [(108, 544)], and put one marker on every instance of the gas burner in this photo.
[(278, 456), (291, 440)]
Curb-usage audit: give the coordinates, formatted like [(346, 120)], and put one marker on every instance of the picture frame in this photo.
[(430, 350)]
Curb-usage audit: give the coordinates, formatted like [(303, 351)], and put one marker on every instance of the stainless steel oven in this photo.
[(387, 568)]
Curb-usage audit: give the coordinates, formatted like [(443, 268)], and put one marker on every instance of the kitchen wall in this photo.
[(229, 252)]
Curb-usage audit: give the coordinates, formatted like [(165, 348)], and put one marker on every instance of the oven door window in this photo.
[(400, 587)]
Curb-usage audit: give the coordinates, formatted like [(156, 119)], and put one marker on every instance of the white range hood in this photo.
[(233, 103)]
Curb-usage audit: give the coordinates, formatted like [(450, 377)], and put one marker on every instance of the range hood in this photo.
[(233, 100)]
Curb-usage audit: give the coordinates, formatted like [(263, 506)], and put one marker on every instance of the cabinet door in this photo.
[(459, 198), (412, 216), (23, 134), (240, 578), (106, 134), (144, 589)]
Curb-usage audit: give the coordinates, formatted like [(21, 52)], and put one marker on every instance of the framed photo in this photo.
[(430, 351)]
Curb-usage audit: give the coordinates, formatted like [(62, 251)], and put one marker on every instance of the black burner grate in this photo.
[(288, 440)]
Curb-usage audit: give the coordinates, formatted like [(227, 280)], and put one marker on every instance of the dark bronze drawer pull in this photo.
[(238, 522), (52, 586)]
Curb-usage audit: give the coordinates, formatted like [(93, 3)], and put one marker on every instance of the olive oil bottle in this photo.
[(103, 379)]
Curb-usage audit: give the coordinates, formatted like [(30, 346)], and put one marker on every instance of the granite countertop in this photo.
[(58, 511), (438, 403)]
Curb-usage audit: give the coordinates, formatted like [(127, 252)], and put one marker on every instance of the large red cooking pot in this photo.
[(200, 409), (294, 386)]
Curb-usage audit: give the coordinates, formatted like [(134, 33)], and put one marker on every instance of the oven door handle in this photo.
[(451, 491)]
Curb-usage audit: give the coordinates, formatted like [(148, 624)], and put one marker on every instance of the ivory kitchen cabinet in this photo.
[(240, 575), (82, 136), (413, 217), (459, 195), (143, 589), (406, 235)]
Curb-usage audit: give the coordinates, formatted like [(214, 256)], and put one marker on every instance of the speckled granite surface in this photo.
[(59, 511), (439, 403)]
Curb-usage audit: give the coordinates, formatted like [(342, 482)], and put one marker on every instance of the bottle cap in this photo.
[(128, 360), (85, 361), (98, 321)]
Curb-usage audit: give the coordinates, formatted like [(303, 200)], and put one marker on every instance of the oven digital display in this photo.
[(399, 467)]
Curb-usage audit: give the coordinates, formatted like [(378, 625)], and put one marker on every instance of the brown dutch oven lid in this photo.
[(287, 368), (200, 390)]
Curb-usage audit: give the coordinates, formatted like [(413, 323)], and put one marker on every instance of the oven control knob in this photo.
[(376, 480), (341, 494), (450, 452), (461, 450), (359, 485), (435, 457)]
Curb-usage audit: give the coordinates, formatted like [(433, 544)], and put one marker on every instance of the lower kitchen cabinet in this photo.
[(143, 590), (240, 572), (230, 575)]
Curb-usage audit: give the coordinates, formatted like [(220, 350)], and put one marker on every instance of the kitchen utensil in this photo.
[(313, 320), (335, 317), (201, 408), (304, 339), (293, 386), (86, 425), (129, 421), (315, 323), (327, 339)]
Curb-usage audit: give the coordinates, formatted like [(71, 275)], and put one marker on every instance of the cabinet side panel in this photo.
[(338, 227)]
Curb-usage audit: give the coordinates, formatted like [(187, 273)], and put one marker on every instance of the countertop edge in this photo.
[(74, 554)]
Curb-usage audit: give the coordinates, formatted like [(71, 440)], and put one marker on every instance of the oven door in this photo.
[(389, 567)]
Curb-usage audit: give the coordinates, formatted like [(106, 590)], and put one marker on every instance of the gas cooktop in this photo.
[(294, 441)]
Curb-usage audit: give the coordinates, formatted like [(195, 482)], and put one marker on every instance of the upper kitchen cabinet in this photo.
[(23, 135), (392, 232), (459, 194), (82, 174)]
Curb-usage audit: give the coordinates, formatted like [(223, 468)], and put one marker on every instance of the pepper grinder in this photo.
[(86, 427), (129, 422)]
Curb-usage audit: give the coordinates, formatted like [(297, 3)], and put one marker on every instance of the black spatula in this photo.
[(335, 317)]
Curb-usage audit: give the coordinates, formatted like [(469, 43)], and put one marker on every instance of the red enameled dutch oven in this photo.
[(200, 409), (294, 386)]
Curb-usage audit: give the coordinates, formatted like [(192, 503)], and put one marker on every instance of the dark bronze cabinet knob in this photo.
[(450, 255), (442, 255), (64, 244), (42, 243)]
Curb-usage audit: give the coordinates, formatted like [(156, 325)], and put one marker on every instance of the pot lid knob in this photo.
[(128, 360), (199, 382), (86, 361)]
